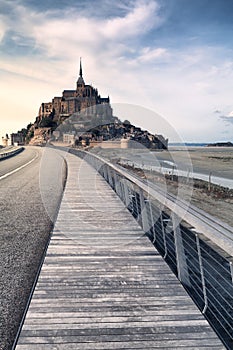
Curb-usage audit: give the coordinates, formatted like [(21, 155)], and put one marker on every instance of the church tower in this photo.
[(83, 100), (80, 82)]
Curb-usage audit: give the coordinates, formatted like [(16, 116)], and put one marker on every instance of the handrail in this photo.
[(218, 232)]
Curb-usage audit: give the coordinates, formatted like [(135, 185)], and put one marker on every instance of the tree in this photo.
[(127, 122), (47, 123)]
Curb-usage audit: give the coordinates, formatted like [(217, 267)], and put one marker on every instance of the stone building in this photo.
[(5, 140), (17, 138), (69, 138), (84, 101)]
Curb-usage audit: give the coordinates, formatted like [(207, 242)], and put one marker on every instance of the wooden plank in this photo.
[(103, 285), (115, 346)]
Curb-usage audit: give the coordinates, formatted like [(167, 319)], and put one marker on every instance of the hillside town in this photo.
[(81, 117)]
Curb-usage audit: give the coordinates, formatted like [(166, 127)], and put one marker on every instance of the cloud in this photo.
[(65, 35), (55, 32), (150, 55), (59, 38), (138, 21), (3, 28), (2, 31), (75, 30), (228, 119)]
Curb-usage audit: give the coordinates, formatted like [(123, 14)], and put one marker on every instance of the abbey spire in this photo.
[(80, 68), (80, 82)]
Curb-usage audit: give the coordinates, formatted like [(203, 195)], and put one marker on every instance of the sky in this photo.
[(173, 57)]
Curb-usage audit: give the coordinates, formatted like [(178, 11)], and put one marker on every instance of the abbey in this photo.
[(83, 117), (84, 100)]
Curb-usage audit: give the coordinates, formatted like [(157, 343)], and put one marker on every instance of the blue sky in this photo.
[(174, 57)]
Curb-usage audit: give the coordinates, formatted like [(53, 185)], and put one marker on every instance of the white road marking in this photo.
[(19, 168)]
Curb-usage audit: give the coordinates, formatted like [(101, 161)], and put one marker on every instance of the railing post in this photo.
[(202, 274), (152, 223), (143, 214), (121, 190), (116, 183), (182, 267), (109, 176), (119, 187), (131, 203), (105, 173), (126, 193), (164, 236), (114, 180), (231, 269)]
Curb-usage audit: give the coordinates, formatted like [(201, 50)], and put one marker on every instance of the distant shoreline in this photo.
[(220, 144), (201, 144)]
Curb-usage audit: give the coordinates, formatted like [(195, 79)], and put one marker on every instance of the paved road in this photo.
[(25, 227)]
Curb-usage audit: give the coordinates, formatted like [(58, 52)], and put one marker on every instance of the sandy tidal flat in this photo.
[(214, 161)]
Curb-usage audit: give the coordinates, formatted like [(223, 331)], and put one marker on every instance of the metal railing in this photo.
[(202, 268), (10, 152)]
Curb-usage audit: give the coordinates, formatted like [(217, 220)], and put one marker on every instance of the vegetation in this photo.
[(48, 123)]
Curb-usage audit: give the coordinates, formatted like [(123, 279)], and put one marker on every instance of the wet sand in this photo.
[(219, 162), (215, 160)]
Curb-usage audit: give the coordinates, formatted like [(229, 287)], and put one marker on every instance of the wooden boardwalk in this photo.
[(103, 285)]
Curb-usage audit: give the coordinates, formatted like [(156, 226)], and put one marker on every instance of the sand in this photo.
[(217, 161)]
